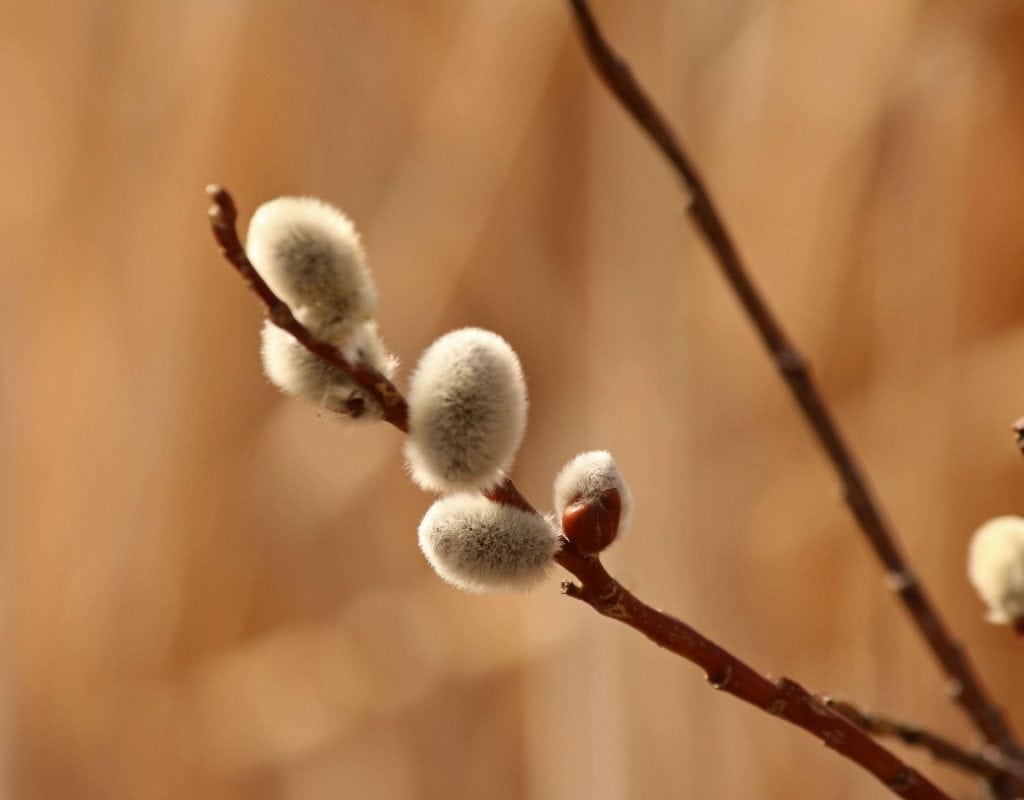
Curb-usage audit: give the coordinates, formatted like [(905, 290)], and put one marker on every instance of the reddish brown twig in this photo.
[(782, 698), (964, 686), (990, 764), (223, 222)]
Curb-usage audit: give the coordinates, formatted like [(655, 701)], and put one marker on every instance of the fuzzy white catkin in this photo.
[(309, 253), (298, 372), (467, 412), (587, 477), (482, 546), (995, 565)]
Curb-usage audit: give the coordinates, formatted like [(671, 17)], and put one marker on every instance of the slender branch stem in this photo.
[(964, 685), (223, 222), (782, 698), (989, 763)]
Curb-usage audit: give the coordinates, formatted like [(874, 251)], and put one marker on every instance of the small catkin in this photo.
[(309, 254), (482, 546), (298, 372), (467, 412), (995, 565), (586, 478)]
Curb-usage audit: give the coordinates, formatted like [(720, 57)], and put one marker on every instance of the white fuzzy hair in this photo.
[(309, 253), (587, 477), (482, 546), (298, 372), (995, 565), (467, 412)]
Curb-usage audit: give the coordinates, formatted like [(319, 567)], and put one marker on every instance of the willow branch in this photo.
[(990, 763), (783, 698), (223, 222), (964, 685)]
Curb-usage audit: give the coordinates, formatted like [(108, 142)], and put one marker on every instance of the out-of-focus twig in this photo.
[(964, 685), (990, 763)]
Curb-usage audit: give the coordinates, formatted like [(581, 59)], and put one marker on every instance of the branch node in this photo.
[(834, 737), (791, 361), (819, 707), (954, 689), (900, 581), (721, 679), (355, 406), (904, 779), (280, 315)]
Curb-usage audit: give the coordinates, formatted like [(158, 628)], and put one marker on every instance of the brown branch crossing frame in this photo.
[(964, 686), (782, 698)]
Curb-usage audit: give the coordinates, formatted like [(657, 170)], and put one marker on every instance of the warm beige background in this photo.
[(211, 592)]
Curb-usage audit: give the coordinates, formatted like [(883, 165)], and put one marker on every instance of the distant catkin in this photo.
[(587, 480), (300, 373), (482, 546), (995, 565), (309, 254), (467, 411)]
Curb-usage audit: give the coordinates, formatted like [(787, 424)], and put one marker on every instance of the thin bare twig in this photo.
[(782, 698), (964, 686), (223, 220), (990, 763)]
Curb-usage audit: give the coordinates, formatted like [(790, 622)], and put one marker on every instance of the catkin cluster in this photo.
[(467, 417), (467, 407), (310, 255)]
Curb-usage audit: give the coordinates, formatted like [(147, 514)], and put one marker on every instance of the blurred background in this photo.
[(211, 591)]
